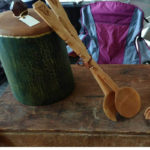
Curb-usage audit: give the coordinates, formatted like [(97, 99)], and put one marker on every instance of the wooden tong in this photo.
[(57, 19), (57, 23)]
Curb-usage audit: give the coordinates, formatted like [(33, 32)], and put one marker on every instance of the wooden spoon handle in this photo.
[(105, 88), (59, 11), (104, 76), (50, 18)]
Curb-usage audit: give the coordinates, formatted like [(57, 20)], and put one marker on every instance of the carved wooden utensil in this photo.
[(109, 99), (127, 100)]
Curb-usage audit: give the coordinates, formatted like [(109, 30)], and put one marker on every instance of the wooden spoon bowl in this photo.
[(127, 102), (109, 106)]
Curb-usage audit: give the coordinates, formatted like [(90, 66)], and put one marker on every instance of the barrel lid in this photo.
[(12, 26)]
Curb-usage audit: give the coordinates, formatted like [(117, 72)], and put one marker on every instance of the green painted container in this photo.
[(36, 65)]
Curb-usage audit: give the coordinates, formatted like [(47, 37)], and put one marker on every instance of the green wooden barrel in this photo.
[(37, 67)]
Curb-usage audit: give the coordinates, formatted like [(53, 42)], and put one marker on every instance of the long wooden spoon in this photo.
[(127, 100), (109, 99)]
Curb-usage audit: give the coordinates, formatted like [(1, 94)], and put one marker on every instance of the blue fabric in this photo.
[(131, 55), (144, 50), (88, 33), (90, 30)]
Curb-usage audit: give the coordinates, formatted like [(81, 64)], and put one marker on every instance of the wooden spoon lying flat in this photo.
[(127, 100)]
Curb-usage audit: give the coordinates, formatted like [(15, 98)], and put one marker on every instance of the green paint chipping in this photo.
[(38, 69)]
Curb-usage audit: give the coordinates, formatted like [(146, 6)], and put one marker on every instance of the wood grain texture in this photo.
[(12, 26), (78, 120)]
